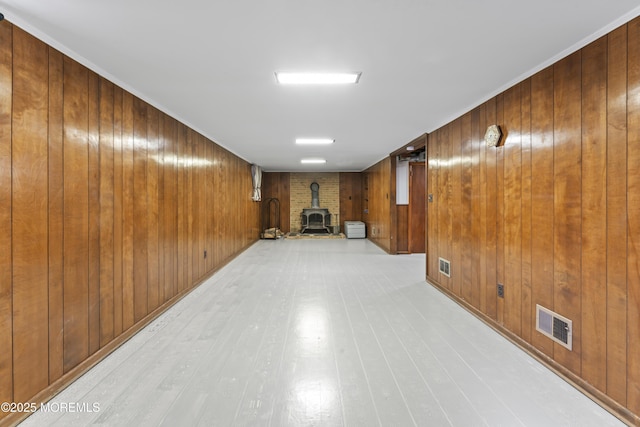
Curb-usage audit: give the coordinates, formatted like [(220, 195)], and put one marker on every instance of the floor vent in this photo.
[(554, 326), (445, 267)]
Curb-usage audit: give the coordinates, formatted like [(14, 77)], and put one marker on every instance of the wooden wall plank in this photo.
[(417, 209), (218, 185), (107, 250), (128, 217), (94, 211), (402, 219), (182, 208), (191, 236), (465, 190), (6, 310), (56, 217), (633, 206), (140, 209), (76, 214), (210, 207), (617, 216), (476, 273), (350, 197), (542, 195), (153, 296), (512, 223), (594, 223), (444, 211), (567, 202), (202, 207), (171, 207), (491, 233), (433, 185), (483, 200), (527, 310), (500, 212), (29, 184), (118, 211), (455, 205)]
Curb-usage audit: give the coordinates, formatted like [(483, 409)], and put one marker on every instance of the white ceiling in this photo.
[(211, 63)]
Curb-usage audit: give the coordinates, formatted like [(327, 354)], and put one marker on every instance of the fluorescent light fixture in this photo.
[(314, 141), (287, 78), (313, 161)]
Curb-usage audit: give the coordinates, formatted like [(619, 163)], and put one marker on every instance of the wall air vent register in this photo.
[(554, 326), (444, 267)]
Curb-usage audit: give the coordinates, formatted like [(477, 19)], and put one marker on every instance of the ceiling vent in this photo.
[(554, 326), (445, 267)]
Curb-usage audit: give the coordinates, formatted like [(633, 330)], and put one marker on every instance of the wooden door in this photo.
[(417, 208)]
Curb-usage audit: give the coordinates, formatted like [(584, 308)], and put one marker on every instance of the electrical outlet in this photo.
[(500, 290)]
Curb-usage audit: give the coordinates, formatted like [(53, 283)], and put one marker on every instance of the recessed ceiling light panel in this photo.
[(314, 141), (290, 78), (313, 161)]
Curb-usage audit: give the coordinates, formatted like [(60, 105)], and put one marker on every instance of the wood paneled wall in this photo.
[(350, 197), (553, 214), (277, 185), (109, 209), (378, 198)]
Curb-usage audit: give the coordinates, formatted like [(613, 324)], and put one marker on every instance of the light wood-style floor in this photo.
[(321, 333)]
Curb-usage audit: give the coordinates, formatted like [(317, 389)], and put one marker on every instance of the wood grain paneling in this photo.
[(350, 197), (491, 233), (455, 203), (567, 201), (512, 191), (153, 254), (527, 310), (76, 214), (417, 208), (594, 225), (92, 181), (106, 213), (56, 216), (378, 218), (276, 185), (432, 173), (476, 273), (482, 201), (559, 213), (616, 203), (6, 309), (464, 267), (402, 220), (542, 196), (29, 186), (633, 212), (94, 211), (118, 211), (128, 225), (140, 215)]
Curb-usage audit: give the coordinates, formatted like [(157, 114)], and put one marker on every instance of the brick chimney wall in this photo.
[(300, 195)]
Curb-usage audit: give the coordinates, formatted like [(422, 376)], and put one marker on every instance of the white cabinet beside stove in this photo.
[(355, 230)]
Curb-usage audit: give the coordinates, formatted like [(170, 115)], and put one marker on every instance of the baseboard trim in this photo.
[(616, 409), (67, 379)]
